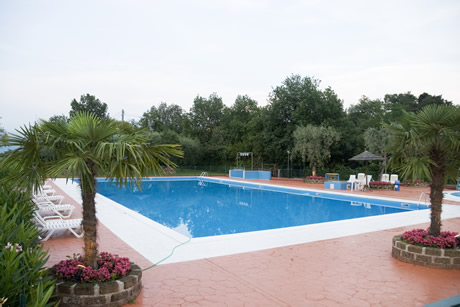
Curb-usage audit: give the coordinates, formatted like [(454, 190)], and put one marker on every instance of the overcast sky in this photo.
[(135, 54)]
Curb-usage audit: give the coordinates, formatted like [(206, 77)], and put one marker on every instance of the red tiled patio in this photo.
[(350, 271)]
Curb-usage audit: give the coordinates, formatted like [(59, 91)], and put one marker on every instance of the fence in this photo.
[(295, 173)]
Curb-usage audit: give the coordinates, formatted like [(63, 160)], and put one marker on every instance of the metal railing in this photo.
[(426, 199)]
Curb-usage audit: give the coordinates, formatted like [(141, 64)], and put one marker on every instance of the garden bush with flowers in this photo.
[(381, 185), (420, 237), (24, 280), (109, 267)]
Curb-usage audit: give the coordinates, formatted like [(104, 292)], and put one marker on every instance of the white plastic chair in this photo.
[(393, 178), (385, 178), (48, 227), (352, 182), (361, 180), (45, 192), (61, 210)]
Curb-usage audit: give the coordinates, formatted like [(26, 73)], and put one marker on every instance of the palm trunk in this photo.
[(88, 193), (313, 170), (438, 172)]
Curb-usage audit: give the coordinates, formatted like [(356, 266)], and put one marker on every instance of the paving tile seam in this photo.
[(249, 284)]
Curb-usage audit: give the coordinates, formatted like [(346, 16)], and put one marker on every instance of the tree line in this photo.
[(212, 133)]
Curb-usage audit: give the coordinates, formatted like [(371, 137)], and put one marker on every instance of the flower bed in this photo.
[(114, 282), (110, 267), (314, 179), (422, 238), (417, 247), (381, 185)]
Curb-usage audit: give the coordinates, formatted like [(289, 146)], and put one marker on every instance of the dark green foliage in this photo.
[(23, 277), (297, 101), (212, 133), (163, 118), (205, 116), (59, 119), (89, 103)]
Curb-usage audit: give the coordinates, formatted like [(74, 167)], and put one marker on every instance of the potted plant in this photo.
[(417, 246), (424, 144), (83, 148)]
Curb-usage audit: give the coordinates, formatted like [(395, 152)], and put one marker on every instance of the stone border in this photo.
[(382, 186), (112, 293), (316, 181), (439, 258)]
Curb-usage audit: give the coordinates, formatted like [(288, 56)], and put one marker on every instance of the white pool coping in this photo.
[(155, 241)]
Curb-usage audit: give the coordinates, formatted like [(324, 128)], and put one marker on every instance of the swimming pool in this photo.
[(208, 207)]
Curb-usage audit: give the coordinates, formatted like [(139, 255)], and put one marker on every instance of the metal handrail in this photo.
[(202, 176), (425, 202)]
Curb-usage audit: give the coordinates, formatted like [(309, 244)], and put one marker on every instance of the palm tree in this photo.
[(426, 144), (84, 148)]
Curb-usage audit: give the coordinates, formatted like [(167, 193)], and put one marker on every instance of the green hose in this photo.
[(172, 252)]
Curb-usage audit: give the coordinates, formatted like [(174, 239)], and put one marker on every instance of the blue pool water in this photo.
[(199, 208)]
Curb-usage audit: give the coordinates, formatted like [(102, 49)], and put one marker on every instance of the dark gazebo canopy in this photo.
[(367, 156)]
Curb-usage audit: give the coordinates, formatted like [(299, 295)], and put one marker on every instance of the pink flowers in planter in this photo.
[(421, 237), (380, 183), (109, 267)]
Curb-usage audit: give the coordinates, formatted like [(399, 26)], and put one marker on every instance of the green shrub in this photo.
[(23, 279)]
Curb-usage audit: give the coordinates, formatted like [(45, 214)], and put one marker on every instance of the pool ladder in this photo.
[(426, 200), (201, 181)]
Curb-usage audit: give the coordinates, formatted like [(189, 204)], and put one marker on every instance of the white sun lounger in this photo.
[(48, 227), (61, 210), (57, 199)]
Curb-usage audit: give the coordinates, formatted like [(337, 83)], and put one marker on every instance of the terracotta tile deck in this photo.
[(351, 271)]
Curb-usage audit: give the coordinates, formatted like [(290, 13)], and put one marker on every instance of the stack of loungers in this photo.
[(51, 214)]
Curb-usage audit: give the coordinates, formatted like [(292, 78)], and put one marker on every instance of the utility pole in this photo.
[(122, 115)]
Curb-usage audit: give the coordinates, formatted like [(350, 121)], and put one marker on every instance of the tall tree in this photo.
[(395, 104), (313, 143), (84, 148), (164, 117), (236, 127), (205, 116), (89, 103), (426, 99), (427, 143), (367, 113), (58, 118), (298, 101)]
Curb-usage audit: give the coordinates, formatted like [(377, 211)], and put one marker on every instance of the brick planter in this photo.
[(112, 293), (382, 186), (317, 181), (426, 256)]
